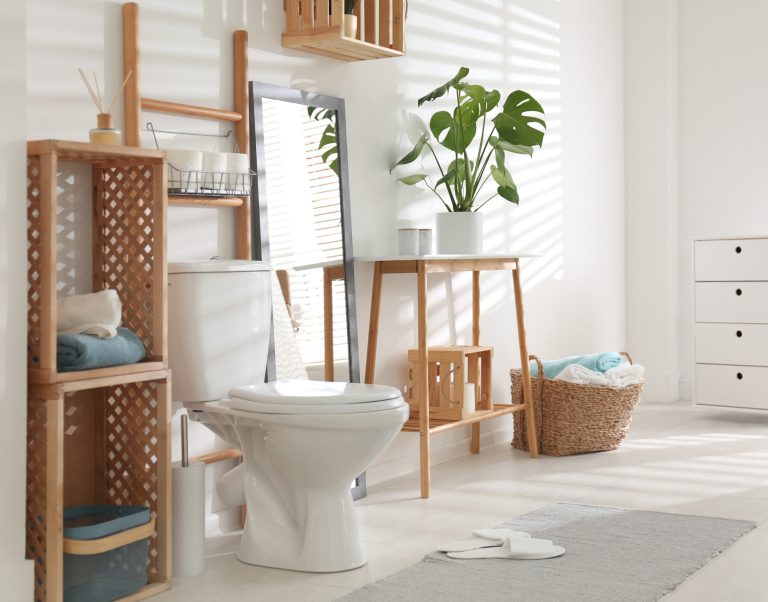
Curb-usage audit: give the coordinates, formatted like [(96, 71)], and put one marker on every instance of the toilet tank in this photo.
[(219, 316)]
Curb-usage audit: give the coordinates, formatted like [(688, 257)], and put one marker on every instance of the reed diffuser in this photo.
[(104, 133)]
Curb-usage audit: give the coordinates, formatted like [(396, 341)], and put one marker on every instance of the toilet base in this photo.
[(329, 542)]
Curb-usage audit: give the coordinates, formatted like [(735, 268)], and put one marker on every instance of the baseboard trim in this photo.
[(451, 450), (661, 386), (686, 389)]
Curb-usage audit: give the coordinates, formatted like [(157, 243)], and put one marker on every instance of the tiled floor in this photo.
[(677, 459)]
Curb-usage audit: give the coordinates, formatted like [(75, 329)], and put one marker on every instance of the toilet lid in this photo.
[(314, 397)]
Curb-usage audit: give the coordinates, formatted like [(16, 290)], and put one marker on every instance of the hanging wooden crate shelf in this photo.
[(317, 26)]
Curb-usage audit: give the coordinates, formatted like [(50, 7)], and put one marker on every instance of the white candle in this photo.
[(469, 399)]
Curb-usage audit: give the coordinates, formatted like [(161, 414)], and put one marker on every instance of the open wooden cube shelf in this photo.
[(128, 244), (450, 367), (316, 26), (107, 445), (97, 436)]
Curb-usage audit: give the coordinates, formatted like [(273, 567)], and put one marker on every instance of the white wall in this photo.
[(15, 572), (567, 54), (651, 192), (723, 124)]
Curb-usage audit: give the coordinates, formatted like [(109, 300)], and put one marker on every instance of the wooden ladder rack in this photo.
[(134, 103)]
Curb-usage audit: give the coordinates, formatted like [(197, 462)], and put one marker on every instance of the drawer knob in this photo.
[(739, 375), (738, 333), (738, 292), (738, 249)]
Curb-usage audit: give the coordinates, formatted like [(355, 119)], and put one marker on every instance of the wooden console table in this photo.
[(423, 265)]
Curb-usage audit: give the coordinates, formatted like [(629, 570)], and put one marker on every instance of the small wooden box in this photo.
[(449, 368)]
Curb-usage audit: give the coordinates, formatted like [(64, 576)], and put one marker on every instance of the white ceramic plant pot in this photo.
[(460, 233), (350, 26)]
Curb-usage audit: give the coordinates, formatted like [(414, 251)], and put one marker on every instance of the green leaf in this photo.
[(495, 143), (502, 176), (448, 177), (334, 165), (328, 137), (451, 132), (413, 179), (329, 153), (516, 123), (414, 154), (509, 193), (473, 90), (500, 156), (443, 90)]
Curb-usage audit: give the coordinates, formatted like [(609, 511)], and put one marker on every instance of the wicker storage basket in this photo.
[(571, 418)]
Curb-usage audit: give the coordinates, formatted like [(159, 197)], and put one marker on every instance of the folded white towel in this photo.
[(624, 375), (98, 314), (580, 375)]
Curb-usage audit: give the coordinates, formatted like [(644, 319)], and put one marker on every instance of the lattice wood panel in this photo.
[(133, 450), (34, 269), (124, 249), (36, 492)]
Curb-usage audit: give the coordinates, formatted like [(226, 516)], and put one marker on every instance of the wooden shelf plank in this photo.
[(149, 590), (206, 201), (437, 425), (81, 380), (330, 42), (85, 152)]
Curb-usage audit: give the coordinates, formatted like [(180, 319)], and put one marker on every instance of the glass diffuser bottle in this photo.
[(104, 133)]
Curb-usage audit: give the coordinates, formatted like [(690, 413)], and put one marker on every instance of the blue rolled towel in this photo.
[(599, 362), (87, 352)]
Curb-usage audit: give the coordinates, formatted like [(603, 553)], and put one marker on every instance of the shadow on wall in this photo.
[(186, 54)]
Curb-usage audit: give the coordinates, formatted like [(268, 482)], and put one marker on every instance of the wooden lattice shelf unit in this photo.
[(98, 436), (316, 26)]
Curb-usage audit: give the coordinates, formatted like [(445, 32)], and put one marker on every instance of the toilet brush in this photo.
[(188, 511)]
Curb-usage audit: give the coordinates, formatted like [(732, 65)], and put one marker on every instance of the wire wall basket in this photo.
[(208, 183), (186, 182)]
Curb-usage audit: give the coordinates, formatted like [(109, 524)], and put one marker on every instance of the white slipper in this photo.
[(518, 548), (484, 538)]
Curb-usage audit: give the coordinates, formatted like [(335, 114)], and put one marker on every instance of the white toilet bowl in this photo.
[(303, 444)]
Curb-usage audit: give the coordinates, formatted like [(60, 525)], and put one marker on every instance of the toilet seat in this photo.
[(314, 397)]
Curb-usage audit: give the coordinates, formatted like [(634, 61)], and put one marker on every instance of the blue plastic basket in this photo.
[(105, 575)]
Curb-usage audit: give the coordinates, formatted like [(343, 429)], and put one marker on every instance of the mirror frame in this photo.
[(260, 201), (257, 91)]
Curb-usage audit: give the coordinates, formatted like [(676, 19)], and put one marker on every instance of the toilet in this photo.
[(303, 442)]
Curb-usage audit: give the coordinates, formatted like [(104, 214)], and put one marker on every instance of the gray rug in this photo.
[(612, 554)]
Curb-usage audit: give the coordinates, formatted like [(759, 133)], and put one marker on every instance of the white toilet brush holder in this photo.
[(188, 481)]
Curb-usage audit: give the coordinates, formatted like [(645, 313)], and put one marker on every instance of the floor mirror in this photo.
[(301, 224)]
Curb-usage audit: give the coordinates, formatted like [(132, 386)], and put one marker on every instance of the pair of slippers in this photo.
[(503, 543)]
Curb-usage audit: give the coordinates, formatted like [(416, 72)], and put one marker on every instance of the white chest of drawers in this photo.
[(731, 315)]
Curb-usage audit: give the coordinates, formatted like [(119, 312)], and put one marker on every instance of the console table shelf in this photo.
[(437, 425), (422, 266)]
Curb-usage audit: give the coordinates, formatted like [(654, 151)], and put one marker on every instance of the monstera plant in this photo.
[(477, 142), (327, 144)]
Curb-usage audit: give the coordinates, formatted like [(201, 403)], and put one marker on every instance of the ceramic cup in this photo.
[(425, 241), (408, 241)]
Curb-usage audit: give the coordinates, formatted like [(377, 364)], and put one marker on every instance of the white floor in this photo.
[(677, 459)]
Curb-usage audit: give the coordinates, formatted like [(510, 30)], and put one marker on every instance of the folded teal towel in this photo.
[(599, 362), (87, 352)]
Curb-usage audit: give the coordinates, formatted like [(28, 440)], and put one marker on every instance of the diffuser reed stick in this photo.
[(104, 133)]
